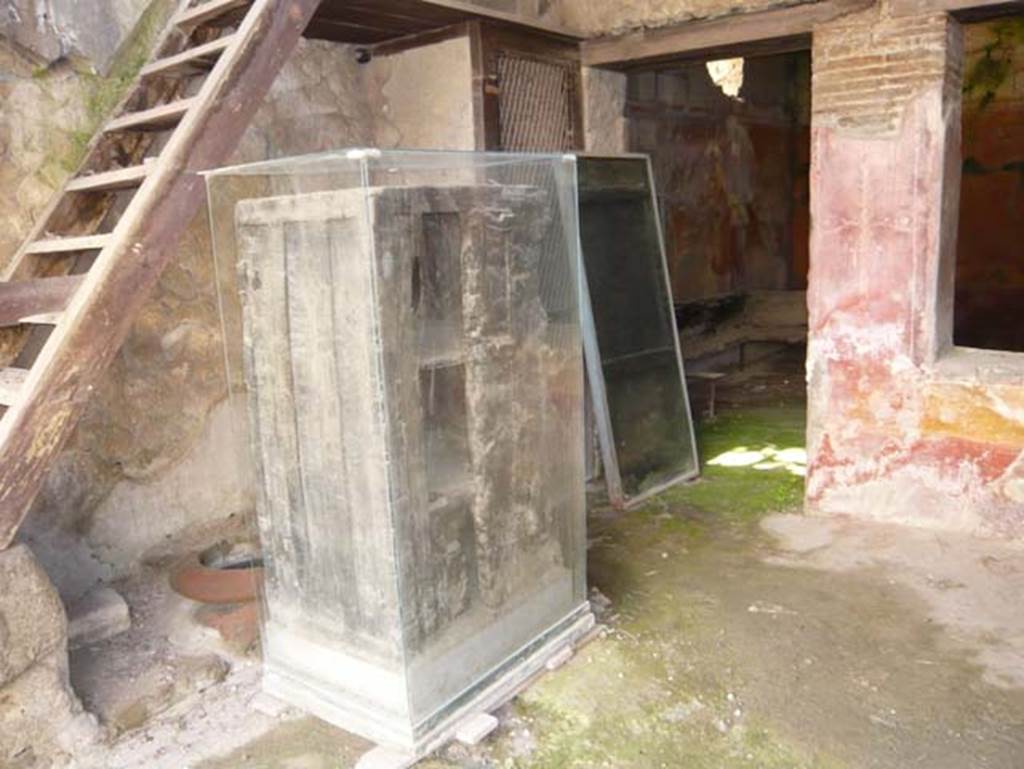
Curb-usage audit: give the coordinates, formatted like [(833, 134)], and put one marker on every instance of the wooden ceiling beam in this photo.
[(515, 19), (341, 20), (966, 10), (738, 34)]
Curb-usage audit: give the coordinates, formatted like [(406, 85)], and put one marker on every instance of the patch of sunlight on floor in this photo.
[(792, 460)]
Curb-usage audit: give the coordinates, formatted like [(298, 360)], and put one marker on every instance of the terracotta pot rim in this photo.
[(191, 578)]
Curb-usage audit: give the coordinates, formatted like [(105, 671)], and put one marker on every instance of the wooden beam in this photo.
[(717, 38), (400, 18), (105, 181), (69, 244), (419, 39), (480, 12), (43, 319), (153, 119), (965, 9), (191, 59), (384, 15), (20, 299), (348, 31), (208, 11)]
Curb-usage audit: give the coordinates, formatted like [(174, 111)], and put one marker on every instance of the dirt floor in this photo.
[(739, 634)]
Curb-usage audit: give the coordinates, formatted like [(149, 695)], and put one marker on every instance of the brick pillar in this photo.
[(884, 187)]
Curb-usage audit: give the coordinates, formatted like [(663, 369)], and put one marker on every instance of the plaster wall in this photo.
[(161, 452), (422, 98), (902, 427)]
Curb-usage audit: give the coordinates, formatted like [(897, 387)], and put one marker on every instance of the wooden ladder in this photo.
[(70, 294)]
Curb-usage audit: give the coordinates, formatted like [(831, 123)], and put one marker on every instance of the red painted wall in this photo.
[(901, 426)]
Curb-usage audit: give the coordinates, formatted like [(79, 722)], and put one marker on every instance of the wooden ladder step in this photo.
[(194, 59), (43, 319), (11, 381), (207, 12), (155, 119), (118, 179), (22, 299), (64, 245)]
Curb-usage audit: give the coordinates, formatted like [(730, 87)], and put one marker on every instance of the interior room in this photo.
[(511, 384), (729, 140)]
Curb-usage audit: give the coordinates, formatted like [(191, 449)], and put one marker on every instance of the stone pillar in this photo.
[(884, 189), (604, 111), (41, 721)]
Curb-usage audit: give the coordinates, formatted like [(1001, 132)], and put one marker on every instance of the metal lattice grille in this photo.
[(536, 104)]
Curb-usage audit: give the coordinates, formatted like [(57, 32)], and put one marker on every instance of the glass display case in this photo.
[(407, 328), (641, 406)]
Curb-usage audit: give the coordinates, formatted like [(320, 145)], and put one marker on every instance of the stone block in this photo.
[(385, 758), (101, 613), (32, 622), (559, 658), (475, 729), (42, 723)]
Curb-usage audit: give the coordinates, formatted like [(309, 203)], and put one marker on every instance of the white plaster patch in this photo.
[(727, 74)]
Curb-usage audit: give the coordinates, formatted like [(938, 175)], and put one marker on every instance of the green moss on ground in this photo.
[(590, 716), (757, 485), (654, 693)]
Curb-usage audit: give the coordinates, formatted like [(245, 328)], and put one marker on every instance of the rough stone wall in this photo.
[(63, 66), (730, 172), (46, 31), (901, 427), (161, 451), (990, 270)]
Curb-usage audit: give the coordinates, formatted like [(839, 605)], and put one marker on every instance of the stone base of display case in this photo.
[(380, 714)]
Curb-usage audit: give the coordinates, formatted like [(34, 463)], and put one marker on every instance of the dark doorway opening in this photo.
[(990, 248), (730, 145)]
